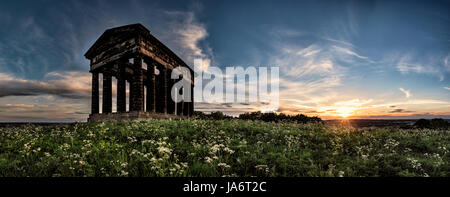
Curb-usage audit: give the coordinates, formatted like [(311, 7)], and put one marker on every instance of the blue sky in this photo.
[(361, 59)]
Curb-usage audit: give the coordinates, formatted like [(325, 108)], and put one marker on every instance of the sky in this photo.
[(337, 59)]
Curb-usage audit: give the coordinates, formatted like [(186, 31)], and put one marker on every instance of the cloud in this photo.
[(34, 49), (43, 108), (300, 63), (188, 36), (19, 105), (400, 111), (10, 108), (446, 64), (353, 102), (410, 102), (348, 51), (344, 108), (447, 88), (312, 75), (310, 50), (75, 85), (190, 33), (431, 65), (324, 58), (406, 92)]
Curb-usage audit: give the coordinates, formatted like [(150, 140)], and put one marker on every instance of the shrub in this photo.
[(212, 116), (436, 123), (422, 123), (273, 117), (439, 123)]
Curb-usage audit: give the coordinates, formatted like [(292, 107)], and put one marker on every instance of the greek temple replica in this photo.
[(142, 67)]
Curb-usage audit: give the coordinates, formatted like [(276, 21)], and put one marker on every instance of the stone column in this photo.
[(150, 86), (165, 88), (185, 108), (170, 101), (121, 89), (158, 92), (192, 109), (107, 98), (138, 86), (95, 99), (161, 89), (191, 106), (180, 105), (130, 93), (184, 103)]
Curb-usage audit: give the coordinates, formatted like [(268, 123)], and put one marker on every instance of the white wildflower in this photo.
[(208, 160), (224, 165)]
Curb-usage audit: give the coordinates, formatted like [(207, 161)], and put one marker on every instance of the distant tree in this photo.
[(257, 115), (439, 123), (273, 117), (436, 123), (211, 116), (218, 116), (199, 114), (422, 123)]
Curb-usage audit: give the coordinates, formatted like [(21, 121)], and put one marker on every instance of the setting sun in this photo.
[(345, 112)]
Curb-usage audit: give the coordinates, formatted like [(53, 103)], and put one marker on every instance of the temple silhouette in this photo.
[(132, 55)]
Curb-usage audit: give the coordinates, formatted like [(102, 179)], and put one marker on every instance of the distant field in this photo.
[(202, 148)]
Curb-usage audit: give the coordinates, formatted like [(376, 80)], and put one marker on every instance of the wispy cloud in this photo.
[(310, 50), (435, 65), (312, 75), (348, 51), (188, 35), (406, 92), (447, 88)]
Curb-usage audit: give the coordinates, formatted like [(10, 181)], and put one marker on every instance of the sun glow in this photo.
[(345, 112)]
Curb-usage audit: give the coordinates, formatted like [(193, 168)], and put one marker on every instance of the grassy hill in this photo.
[(221, 148)]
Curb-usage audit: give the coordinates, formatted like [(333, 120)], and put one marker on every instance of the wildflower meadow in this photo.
[(221, 148)]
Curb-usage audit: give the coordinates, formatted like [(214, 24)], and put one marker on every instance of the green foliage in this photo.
[(266, 117), (436, 123), (211, 116), (221, 148), (273, 117)]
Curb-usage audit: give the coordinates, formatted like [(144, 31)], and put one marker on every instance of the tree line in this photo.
[(266, 117)]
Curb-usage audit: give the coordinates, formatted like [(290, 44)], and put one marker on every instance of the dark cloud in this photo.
[(227, 104), (291, 110), (82, 113), (68, 85), (400, 111), (227, 108)]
